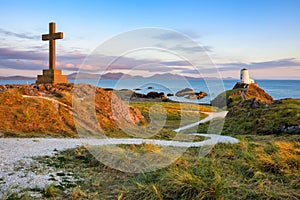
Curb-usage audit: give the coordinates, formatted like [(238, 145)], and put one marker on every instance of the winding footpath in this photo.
[(16, 154)]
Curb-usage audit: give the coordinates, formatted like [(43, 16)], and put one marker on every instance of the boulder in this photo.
[(3, 87), (154, 95), (292, 129), (185, 92)]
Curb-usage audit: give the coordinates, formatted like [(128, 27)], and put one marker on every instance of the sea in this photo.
[(278, 89)]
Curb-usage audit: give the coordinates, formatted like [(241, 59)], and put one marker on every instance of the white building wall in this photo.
[(244, 77)]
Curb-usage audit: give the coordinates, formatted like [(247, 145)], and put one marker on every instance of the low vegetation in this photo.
[(265, 119), (28, 117), (177, 114), (258, 167), (43, 111), (265, 164)]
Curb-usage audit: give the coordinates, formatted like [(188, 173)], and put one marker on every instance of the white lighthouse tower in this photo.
[(244, 78)]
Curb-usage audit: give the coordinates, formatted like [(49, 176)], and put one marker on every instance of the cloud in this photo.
[(36, 60), (192, 49), (169, 36), (127, 63), (7, 53), (180, 35), (18, 35), (287, 62), (22, 64), (176, 63), (191, 33)]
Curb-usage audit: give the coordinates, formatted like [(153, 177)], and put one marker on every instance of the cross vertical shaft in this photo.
[(52, 36), (52, 47)]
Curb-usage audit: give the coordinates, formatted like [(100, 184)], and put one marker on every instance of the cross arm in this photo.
[(58, 35), (53, 36)]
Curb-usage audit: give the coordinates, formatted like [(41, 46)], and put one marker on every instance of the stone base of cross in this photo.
[(53, 76)]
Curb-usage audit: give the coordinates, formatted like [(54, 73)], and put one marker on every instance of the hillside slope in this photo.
[(46, 110), (241, 92), (252, 111)]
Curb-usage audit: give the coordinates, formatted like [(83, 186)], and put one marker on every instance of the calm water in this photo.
[(278, 89)]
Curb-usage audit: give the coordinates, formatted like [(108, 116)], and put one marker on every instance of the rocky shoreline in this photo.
[(124, 94)]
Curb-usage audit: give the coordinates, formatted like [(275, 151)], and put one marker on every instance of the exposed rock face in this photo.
[(190, 94)]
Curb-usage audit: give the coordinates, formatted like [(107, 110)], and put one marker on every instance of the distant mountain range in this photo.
[(16, 78), (112, 76)]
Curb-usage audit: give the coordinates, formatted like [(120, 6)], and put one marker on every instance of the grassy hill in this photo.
[(257, 112), (280, 117), (46, 110), (233, 97)]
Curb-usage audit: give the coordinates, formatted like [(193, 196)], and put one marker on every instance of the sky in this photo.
[(186, 37)]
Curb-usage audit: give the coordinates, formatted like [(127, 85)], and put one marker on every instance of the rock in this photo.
[(108, 89), (41, 87), (170, 94), (253, 103), (190, 94), (184, 92), (137, 89), (193, 96), (241, 85), (138, 95), (154, 95), (3, 87), (201, 95), (61, 173), (291, 129), (150, 88)]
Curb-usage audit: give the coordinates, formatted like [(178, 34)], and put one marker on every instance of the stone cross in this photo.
[(52, 36)]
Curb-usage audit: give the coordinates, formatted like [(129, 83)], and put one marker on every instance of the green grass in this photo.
[(177, 114), (263, 120), (258, 167)]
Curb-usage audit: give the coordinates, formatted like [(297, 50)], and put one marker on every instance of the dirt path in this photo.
[(46, 98), (211, 115)]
